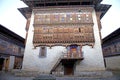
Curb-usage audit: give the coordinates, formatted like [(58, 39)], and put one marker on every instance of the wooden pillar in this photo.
[(6, 64), (80, 54), (99, 23), (27, 28), (68, 51)]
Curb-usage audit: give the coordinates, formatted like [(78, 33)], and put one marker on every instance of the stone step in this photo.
[(73, 78), (20, 73), (45, 77), (85, 78), (95, 74), (98, 75)]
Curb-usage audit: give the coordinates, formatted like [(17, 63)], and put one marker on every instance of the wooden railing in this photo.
[(68, 57), (72, 55)]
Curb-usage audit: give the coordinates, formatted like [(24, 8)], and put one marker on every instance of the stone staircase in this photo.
[(56, 65)]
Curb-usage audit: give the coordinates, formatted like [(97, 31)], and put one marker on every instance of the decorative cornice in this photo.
[(59, 9)]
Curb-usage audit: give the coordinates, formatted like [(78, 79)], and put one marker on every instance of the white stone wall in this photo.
[(11, 62), (113, 62), (93, 57)]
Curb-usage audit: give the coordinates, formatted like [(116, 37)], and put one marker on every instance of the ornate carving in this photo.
[(62, 35), (63, 28)]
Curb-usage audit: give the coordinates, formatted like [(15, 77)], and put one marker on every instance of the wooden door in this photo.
[(68, 70)]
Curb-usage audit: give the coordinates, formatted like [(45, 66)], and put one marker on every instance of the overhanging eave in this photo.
[(26, 12), (42, 3), (103, 8)]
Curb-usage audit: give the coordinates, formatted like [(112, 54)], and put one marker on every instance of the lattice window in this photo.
[(56, 18)]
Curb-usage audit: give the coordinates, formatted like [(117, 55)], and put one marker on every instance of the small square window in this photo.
[(42, 52), (79, 18), (87, 15), (78, 15), (87, 19), (62, 19), (64, 15), (71, 19)]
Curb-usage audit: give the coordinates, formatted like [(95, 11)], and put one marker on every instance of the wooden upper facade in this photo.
[(111, 44), (63, 22), (64, 26), (11, 43)]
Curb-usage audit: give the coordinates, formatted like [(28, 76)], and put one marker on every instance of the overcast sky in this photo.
[(11, 18)]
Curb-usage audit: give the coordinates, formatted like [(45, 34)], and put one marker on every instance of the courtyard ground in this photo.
[(10, 76)]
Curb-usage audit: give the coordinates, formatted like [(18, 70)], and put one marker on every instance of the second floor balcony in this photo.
[(70, 55)]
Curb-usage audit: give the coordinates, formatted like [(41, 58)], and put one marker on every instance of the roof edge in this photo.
[(111, 35), (11, 33)]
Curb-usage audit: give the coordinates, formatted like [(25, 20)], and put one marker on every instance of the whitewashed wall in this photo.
[(113, 62)]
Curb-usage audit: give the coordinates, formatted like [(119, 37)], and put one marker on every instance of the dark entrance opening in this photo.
[(68, 70), (1, 63)]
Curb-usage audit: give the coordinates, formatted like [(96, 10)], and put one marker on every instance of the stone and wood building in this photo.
[(11, 49), (111, 50), (63, 37)]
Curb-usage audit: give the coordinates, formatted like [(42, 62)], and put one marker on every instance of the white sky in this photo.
[(11, 18)]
